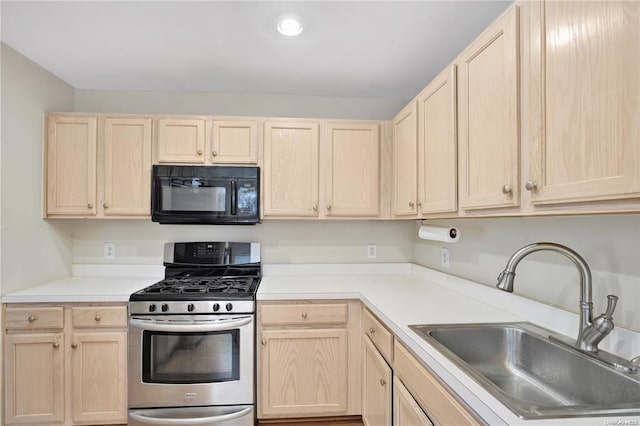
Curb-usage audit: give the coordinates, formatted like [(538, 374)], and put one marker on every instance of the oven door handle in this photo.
[(191, 327), (189, 421)]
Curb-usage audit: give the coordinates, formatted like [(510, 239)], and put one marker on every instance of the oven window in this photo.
[(190, 357), (191, 195)]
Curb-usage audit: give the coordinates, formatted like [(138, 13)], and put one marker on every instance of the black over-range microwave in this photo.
[(205, 195)]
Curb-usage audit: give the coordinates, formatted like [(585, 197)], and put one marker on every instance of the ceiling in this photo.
[(375, 49)]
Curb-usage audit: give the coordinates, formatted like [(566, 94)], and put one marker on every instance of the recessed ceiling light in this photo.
[(289, 25)]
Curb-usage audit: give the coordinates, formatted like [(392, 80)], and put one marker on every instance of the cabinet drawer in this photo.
[(34, 318), (439, 404), (379, 335), (100, 316), (304, 313)]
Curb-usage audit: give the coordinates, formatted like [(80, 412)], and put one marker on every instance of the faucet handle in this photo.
[(611, 306)]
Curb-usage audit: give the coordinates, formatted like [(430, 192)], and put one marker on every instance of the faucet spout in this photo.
[(507, 277)]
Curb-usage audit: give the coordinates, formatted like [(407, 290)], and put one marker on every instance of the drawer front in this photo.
[(34, 318), (432, 396), (379, 335), (99, 316), (304, 313)]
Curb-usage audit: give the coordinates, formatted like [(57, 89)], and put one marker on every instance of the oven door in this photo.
[(177, 361)]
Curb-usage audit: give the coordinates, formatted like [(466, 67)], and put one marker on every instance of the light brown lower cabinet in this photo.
[(406, 411), (376, 387), (308, 358), (65, 364), (441, 406)]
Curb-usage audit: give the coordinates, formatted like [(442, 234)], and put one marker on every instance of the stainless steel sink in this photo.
[(531, 374)]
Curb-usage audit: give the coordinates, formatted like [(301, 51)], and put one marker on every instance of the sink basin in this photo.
[(532, 375)]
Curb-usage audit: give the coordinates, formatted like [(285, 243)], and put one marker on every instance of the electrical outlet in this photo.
[(372, 251), (444, 257), (109, 250)]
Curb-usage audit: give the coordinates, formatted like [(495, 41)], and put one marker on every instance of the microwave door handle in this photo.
[(191, 327), (234, 198), (189, 421)]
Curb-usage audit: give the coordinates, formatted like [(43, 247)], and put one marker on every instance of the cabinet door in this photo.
[(303, 372), (437, 148), (353, 172), (98, 366), (291, 159), (71, 165), (127, 166), (585, 87), (405, 164), (180, 140), (376, 391), (235, 141), (34, 378), (489, 117), (406, 411)]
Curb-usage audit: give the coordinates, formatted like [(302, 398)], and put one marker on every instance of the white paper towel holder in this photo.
[(446, 234)]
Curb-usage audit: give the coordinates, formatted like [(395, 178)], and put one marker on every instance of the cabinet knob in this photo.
[(372, 330), (199, 152), (98, 318), (304, 315), (329, 207), (419, 204), (74, 345), (531, 185), (32, 318), (89, 205), (383, 382), (105, 205), (315, 208), (214, 154), (411, 204), (507, 189), (264, 342), (56, 345)]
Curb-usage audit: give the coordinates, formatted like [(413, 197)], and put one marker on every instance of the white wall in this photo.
[(609, 243), (34, 251), (281, 241), (151, 102)]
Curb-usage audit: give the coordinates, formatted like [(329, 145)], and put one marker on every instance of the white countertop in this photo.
[(91, 283), (399, 294)]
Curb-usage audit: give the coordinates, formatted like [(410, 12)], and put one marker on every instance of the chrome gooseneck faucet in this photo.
[(591, 331)]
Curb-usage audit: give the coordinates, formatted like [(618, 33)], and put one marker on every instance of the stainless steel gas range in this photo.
[(191, 338)]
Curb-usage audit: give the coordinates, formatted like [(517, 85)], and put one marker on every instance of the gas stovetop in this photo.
[(199, 288), (203, 278)]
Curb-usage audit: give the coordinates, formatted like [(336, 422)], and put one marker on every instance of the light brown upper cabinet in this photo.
[(127, 166), (405, 164), (181, 140), (584, 101), (353, 169), (437, 147), (291, 167), (206, 140), (71, 165), (98, 166), (488, 87), (234, 141)]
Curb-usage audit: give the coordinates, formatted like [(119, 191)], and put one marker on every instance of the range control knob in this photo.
[(229, 306), (152, 307), (216, 307), (190, 307), (165, 307)]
